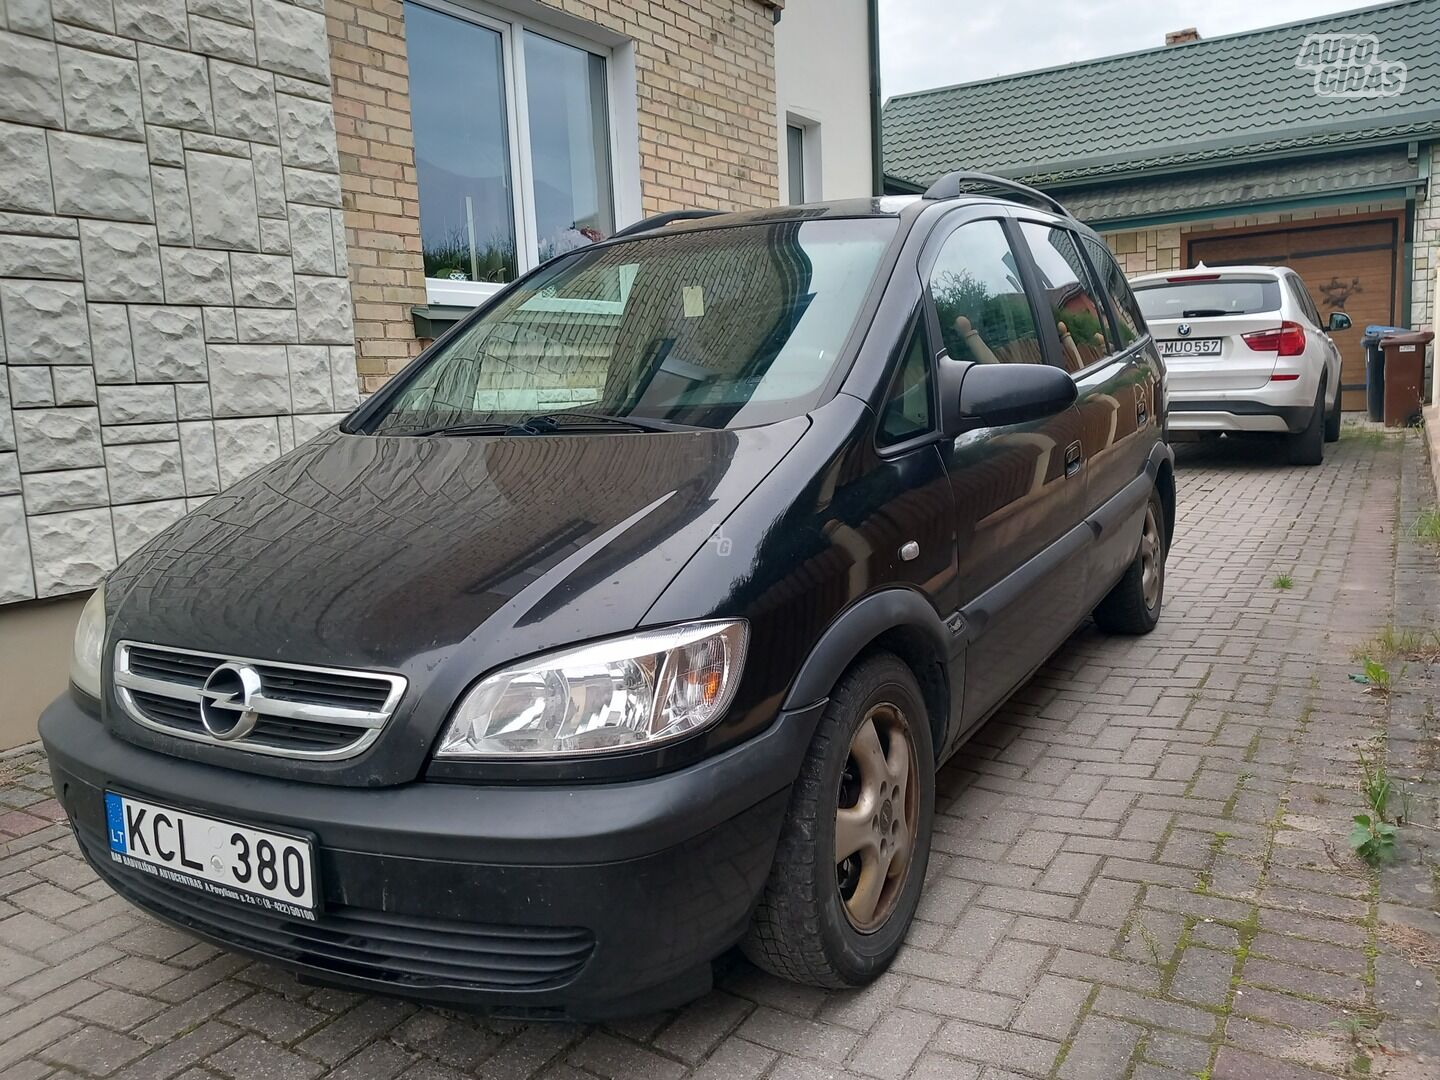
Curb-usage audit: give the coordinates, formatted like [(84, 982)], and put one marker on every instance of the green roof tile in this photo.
[(1213, 100)]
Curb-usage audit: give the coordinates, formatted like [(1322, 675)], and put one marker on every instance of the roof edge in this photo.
[(1422, 127)]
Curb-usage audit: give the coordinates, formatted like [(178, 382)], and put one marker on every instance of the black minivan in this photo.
[(632, 620)]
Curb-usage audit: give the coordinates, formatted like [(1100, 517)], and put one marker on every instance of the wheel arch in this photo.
[(896, 620)]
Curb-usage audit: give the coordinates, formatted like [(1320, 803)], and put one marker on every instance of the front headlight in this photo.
[(89, 643), (639, 690)]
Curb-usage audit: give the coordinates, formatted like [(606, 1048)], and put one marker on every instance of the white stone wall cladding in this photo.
[(174, 310)]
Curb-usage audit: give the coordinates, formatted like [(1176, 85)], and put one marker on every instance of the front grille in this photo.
[(298, 711), (404, 950)]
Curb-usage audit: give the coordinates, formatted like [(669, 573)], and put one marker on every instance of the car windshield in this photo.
[(1201, 298), (715, 328)]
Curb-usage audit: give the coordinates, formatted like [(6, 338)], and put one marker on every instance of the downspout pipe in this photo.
[(877, 156)]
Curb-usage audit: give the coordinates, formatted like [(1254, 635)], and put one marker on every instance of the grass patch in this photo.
[(1395, 643), (1283, 581), (1427, 525), (1365, 436)]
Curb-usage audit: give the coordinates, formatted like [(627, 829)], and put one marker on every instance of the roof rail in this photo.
[(953, 185), (659, 221)]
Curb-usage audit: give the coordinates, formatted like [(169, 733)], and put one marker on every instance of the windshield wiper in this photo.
[(460, 429), (1204, 313), (639, 423)]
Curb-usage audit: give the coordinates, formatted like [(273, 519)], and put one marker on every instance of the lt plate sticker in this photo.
[(249, 866)]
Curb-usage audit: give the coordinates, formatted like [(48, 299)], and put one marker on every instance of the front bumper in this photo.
[(574, 902)]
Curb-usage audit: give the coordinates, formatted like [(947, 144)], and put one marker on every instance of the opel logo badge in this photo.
[(227, 701), (1183, 329)]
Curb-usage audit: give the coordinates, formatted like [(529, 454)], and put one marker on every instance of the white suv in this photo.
[(1245, 351)]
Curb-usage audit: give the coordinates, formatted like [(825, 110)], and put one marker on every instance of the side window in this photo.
[(979, 301), (1302, 299), (908, 410), (1079, 317), (1131, 324)]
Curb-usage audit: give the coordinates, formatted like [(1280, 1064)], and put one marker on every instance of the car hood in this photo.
[(390, 553)]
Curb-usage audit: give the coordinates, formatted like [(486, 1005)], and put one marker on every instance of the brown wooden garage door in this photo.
[(1349, 265)]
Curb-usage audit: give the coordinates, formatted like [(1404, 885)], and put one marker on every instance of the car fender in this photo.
[(859, 625)]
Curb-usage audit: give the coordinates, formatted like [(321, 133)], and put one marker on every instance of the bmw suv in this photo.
[(1246, 353), (632, 620)]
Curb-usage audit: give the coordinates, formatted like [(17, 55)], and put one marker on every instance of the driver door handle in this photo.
[(1072, 459)]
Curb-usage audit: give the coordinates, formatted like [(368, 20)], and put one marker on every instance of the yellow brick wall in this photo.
[(705, 74)]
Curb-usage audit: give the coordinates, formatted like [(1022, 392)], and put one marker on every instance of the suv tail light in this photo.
[(1286, 340)]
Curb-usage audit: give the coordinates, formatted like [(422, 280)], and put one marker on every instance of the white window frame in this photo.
[(810, 155), (620, 90)]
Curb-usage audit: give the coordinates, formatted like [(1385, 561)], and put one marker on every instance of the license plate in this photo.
[(251, 866), (1190, 347)]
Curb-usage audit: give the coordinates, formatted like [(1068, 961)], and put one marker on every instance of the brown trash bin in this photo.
[(1404, 372)]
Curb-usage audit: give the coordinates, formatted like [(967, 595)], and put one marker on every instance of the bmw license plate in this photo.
[(1205, 346), (251, 866)]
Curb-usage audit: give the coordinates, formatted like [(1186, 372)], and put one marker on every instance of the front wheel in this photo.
[(1133, 605), (851, 860)]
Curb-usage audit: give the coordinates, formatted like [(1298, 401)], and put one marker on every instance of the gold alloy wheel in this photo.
[(876, 817), (1150, 560)]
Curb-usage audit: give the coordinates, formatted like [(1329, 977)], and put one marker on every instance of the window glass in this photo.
[(1303, 300), (1131, 324), (569, 145), (1202, 298), (462, 147), (907, 412), (980, 303), (795, 162), (709, 327), (1081, 321)]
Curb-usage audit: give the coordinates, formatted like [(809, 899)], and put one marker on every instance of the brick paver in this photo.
[(1140, 866)]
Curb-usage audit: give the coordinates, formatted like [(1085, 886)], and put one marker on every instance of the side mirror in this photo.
[(1338, 321), (993, 395)]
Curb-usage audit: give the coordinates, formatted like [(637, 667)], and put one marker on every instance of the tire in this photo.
[(1133, 605), (1332, 419), (1308, 447), (807, 927)]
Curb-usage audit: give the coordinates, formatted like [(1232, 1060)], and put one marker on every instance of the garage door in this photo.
[(1349, 267)]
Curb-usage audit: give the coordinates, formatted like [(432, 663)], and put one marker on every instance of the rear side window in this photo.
[(1078, 315), (1199, 298), (908, 408), (1130, 324), (1302, 298), (979, 301)]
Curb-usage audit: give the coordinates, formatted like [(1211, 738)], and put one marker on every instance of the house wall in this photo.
[(174, 309), (822, 63), (705, 75)]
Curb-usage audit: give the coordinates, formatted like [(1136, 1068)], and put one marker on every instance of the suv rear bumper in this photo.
[(1199, 414), (582, 902)]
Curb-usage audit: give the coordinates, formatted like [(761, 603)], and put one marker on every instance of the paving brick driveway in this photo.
[(1140, 867)]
